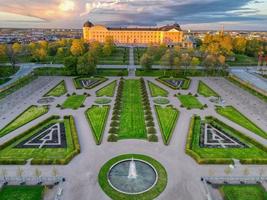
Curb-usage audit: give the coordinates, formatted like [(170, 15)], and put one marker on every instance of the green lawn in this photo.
[(167, 118), (22, 192), (234, 115), (10, 154), (97, 118), (132, 122), (58, 90), (252, 154), (119, 57), (74, 101), (243, 60), (155, 90), (107, 90), (190, 102), (30, 114), (243, 192), (205, 90)]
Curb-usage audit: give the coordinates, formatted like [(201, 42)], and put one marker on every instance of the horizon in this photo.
[(241, 15)]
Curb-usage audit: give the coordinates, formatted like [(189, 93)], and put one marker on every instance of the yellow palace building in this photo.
[(169, 34)]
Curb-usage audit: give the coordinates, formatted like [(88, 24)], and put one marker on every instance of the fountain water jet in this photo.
[(132, 170)]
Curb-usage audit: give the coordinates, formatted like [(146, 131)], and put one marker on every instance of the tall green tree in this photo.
[(71, 64), (146, 62)]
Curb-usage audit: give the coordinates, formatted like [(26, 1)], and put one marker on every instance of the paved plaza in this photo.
[(184, 174)]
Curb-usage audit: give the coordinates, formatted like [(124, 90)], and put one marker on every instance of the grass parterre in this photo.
[(155, 90), (234, 115), (243, 192), (74, 101), (205, 90), (190, 102), (11, 154), (132, 120), (13, 192), (107, 90), (255, 153), (97, 119), (30, 114), (167, 118), (57, 91)]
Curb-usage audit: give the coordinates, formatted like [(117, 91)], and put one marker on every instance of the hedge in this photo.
[(248, 87), (16, 85)]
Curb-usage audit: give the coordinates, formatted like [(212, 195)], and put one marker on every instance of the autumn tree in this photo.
[(95, 48), (209, 62), (77, 47), (11, 52), (177, 65), (239, 45)]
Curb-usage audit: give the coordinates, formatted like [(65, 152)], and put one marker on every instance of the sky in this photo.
[(190, 14)]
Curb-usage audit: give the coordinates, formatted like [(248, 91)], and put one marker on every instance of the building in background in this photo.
[(169, 34)]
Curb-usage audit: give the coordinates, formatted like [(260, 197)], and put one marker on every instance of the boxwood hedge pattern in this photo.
[(185, 85), (255, 154), (151, 194), (98, 80), (11, 155)]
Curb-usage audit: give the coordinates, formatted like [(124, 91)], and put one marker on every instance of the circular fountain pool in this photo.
[(132, 176)]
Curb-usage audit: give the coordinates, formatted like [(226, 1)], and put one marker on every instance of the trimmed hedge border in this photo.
[(200, 160), (185, 85), (47, 107), (78, 86), (98, 142), (46, 94), (17, 85), (64, 161), (151, 194), (167, 141), (248, 87)]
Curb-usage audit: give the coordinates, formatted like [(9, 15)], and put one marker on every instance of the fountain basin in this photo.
[(146, 177)]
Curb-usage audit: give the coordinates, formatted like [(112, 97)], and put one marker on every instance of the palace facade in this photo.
[(169, 34)]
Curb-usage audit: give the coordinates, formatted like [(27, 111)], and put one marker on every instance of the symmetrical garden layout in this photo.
[(110, 109)]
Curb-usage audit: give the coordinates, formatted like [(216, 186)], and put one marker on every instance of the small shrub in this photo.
[(189, 93), (112, 138), (82, 106), (150, 123), (68, 95), (205, 105), (148, 118), (196, 95), (114, 124), (113, 130), (74, 93), (153, 138), (151, 130), (58, 106), (182, 106), (115, 117)]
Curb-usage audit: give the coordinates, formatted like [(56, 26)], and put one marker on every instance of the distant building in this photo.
[(169, 34)]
